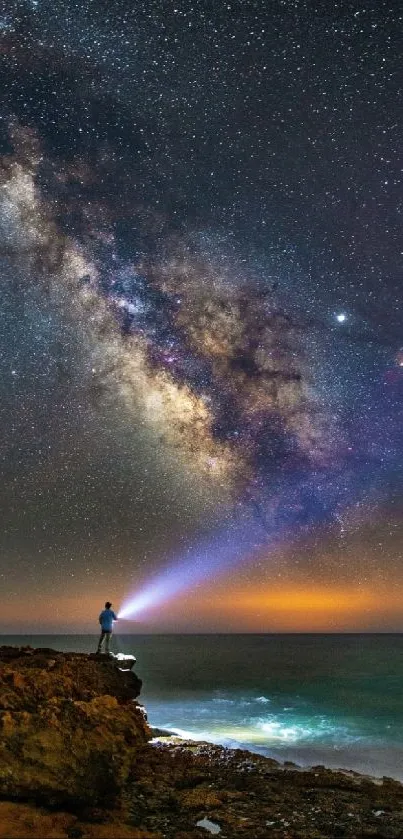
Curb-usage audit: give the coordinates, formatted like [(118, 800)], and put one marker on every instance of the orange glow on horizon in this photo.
[(298, 608), (280, 607), (306, 600)]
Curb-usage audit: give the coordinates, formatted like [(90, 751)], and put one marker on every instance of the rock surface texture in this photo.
[(69, 728), (76, 762)]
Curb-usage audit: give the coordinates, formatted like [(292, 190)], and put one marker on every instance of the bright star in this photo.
[(341, 317)]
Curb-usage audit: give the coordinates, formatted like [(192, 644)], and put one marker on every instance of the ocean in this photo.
[(334, 700)]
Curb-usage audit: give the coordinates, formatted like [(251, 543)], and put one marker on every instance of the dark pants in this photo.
[(105, 636)]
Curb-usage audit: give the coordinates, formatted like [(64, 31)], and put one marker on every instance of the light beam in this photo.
[(218, 553)]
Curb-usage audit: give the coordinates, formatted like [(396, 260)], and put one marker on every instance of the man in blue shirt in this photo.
[(106, 619)]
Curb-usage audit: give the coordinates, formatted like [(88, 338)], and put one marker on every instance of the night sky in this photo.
[(201, 350)]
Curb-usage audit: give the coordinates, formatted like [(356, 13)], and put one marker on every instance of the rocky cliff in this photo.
[(76, 762), (69, 727)]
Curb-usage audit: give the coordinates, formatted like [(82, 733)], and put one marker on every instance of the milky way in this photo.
[(213, 366), (201, 282)]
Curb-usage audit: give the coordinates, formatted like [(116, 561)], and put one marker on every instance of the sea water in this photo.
[(312, 699)]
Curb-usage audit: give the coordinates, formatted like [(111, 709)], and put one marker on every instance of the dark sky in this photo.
[(200, 330)]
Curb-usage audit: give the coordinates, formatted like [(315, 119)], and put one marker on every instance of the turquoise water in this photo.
[(331, 699)]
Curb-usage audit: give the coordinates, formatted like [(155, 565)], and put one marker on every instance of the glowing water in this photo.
[(333, 700)]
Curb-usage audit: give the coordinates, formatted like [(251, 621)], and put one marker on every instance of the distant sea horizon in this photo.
[(198, 634), (313, 698)]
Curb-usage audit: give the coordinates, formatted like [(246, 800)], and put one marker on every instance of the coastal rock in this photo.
[(30, 676), (179, 786), (69, 727), (78, 761)]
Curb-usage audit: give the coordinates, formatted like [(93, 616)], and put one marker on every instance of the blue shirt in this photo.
[(106, 619)]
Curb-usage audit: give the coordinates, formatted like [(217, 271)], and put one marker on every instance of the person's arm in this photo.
[(100, 618), (114, 616)]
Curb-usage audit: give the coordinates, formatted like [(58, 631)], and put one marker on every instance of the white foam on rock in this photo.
[(123, 657)]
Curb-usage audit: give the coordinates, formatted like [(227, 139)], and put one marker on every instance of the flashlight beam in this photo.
[(220, 552)]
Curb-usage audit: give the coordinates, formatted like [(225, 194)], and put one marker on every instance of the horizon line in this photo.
[(164, 634)]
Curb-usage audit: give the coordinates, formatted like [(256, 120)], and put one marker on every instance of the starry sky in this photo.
[(201, 352)]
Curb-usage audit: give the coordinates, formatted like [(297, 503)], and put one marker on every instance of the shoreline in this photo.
[(376, 760), (243, 794), (304, 759)]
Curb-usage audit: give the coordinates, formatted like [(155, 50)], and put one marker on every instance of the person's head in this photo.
[(108, 605)]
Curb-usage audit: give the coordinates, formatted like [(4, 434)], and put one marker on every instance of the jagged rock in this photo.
[(29, 677), (248, 796), (69, 727)]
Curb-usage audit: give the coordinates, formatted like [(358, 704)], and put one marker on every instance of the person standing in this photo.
[(106, 619)]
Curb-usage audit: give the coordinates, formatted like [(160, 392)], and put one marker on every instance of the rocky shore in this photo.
[(79, 761)]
